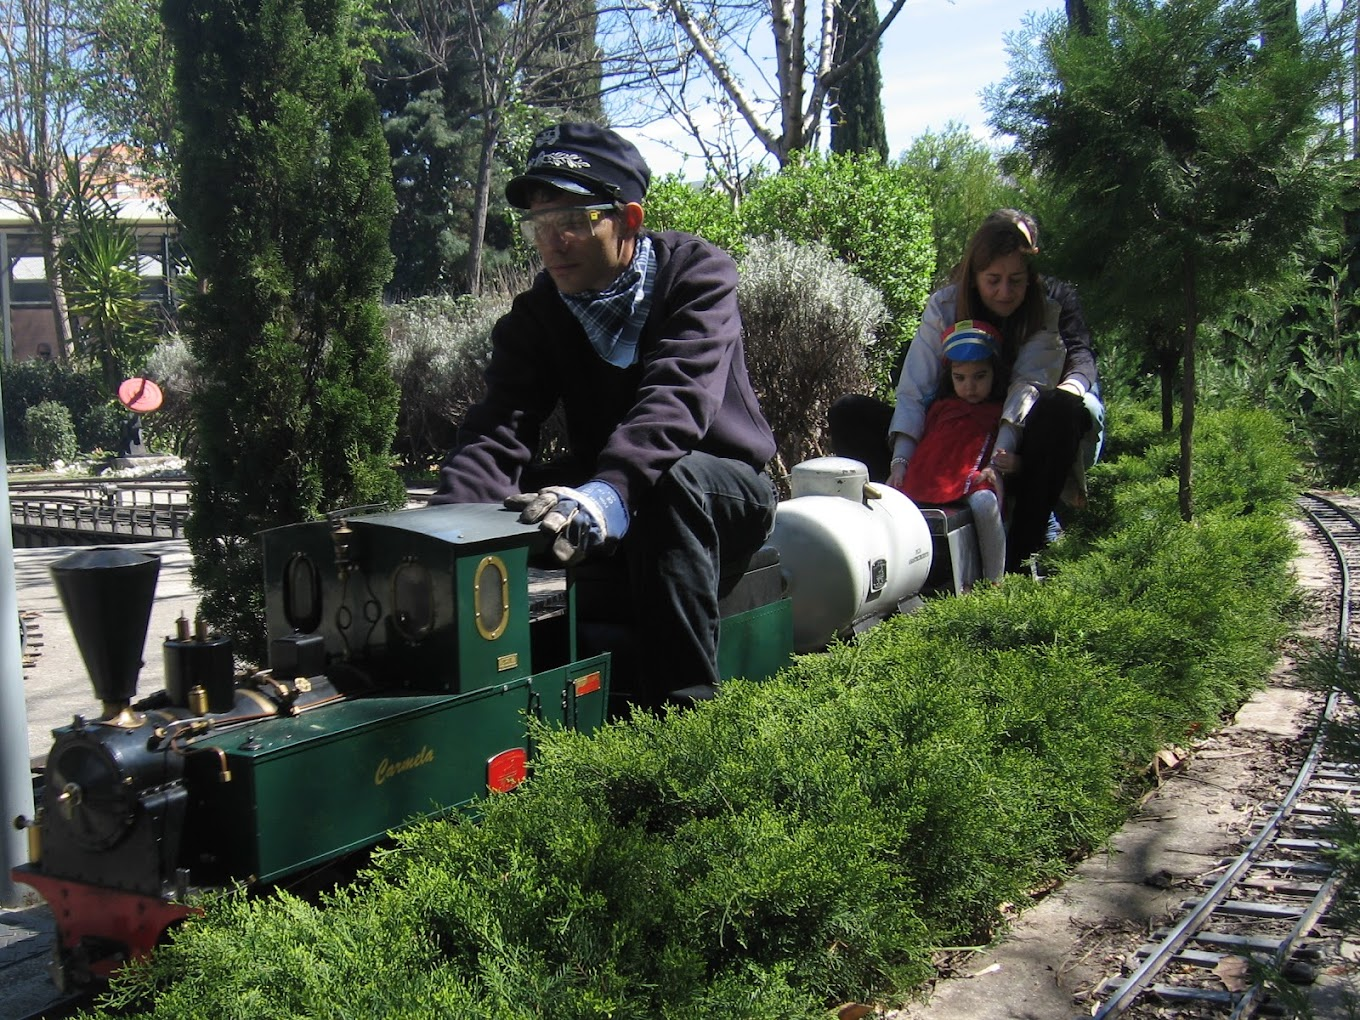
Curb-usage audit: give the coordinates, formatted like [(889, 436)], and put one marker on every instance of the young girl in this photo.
[(954, 459)]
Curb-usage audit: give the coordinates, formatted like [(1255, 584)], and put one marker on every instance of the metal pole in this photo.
[(6, 271), (16, 781)]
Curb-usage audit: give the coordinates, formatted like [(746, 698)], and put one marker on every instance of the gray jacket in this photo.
[(1038, 365)]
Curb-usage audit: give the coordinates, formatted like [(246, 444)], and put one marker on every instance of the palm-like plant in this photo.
[(116, 327)]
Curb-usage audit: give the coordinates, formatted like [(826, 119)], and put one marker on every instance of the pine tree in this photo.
[(286, 203), (1192, 156), (857, 116), (434, 145)]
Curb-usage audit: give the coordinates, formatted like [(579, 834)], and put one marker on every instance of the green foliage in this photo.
[(1139, 428), (870, 214), (1293, 349), (990, 757), (101, 428), (674, 205), (286, 205), (27, 383), (50, 432), (1203, 121), (1330, 391), (1243, 459), (1259, 375), (439, 349), (963, 182), (1208, 140), (116, 328), (811, 329), (1211, 596), (129, 90), (1244, 463)]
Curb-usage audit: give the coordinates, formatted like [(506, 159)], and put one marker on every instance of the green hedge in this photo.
[(814, 838), (50, 433), (26, 384)]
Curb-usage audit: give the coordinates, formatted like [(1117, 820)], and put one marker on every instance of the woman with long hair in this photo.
[(996, 280)]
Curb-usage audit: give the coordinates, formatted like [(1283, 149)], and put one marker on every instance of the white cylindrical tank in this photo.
[(851, 550)]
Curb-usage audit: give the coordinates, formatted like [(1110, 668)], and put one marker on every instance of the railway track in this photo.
[(1251, 924)]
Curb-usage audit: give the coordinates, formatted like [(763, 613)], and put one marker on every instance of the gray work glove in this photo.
[(583, 520)]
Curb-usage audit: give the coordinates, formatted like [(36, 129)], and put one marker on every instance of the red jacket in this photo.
[(956, 445)]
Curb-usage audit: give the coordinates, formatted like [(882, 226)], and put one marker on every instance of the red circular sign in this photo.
[(139, 395)]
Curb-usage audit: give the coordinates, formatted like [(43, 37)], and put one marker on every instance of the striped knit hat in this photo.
[(971, 340)]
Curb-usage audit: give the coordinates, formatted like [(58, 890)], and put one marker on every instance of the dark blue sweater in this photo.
[(688, 389)]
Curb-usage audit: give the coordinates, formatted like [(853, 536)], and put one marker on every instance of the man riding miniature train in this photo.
[(639, 336)]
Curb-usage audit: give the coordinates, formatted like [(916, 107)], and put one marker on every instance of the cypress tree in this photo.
[(857, 114), (286, 203)]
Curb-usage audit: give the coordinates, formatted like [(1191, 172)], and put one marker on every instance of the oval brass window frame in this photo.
[(478, 579)]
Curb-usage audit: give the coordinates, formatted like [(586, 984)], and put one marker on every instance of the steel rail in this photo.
[(1323, 899), (1141, 979)]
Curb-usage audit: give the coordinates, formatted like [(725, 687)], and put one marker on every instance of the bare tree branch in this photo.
[(515, 49), (782, 111)]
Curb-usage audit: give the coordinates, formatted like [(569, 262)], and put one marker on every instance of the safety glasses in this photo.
[(571, 223)]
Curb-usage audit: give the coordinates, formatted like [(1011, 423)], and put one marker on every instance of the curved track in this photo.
[(1254, 919)]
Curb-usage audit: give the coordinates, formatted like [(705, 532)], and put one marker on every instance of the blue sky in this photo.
[(937, 57)]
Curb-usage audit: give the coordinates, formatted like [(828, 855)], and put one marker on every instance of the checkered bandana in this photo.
[(613, 318)]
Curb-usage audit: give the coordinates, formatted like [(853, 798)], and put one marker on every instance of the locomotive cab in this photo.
[(434, 599)]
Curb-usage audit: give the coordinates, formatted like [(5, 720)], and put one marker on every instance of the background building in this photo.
[(26, 297)]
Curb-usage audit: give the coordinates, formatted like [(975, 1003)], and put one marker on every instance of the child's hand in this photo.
[(989, 478)]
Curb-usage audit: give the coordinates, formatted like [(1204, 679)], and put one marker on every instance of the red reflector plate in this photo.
[(588, 684), (507, 770), (140, 395)]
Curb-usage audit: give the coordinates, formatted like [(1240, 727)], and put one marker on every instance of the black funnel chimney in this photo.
[(107, 596)]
